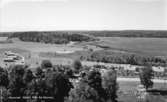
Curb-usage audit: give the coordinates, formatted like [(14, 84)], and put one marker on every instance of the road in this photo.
[(137, 80)]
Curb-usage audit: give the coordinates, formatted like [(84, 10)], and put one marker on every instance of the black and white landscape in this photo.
[(83, 51)]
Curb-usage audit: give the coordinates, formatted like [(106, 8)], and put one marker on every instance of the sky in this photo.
[(51, 15)]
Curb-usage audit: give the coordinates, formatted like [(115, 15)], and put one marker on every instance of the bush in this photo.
[(77, 66), (46, 64)]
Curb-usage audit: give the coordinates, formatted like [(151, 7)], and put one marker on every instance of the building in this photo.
[(3, 39), (13, 58)]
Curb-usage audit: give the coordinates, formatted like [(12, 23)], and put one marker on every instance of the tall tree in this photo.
[(83, 93), (110, 84), (146, 75), (4, 80), (17, 85), (95, 81), (58, 85)]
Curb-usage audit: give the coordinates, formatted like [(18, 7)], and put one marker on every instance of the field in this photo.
[(148, 46), (35, 52)]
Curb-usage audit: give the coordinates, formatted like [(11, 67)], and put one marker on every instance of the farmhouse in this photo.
[(3, 39), (13, 58)]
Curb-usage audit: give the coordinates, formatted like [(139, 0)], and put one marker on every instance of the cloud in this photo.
[(5, 2)]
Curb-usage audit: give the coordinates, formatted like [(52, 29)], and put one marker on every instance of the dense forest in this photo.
[(126, 58), (107, 33), (51, 37)]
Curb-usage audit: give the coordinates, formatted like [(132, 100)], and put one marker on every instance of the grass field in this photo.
[(148, 46), (35, 52)]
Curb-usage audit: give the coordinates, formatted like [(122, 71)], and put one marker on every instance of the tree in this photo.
[(110, 84), (28, 76), (46, 64), (37, 88), (146, 74), (77, 66), (17, 85), (83, 93), (69, 73), (4, 80), (94, 78), (58, 85), (95, 81), (39, 73)]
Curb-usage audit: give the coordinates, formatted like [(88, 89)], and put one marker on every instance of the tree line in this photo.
[(51, 37), (130, 33), (121, 58), (107, 33)]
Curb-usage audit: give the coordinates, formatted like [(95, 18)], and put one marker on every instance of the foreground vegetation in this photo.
[(58, 83)]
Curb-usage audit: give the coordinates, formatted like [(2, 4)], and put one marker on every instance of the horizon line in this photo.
[(83, 30)]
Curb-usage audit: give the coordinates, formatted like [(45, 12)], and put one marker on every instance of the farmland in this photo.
[(146, 46)]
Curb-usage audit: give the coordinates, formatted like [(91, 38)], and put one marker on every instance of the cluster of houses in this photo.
[(12, 58), (158, 70), (5, 40)]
